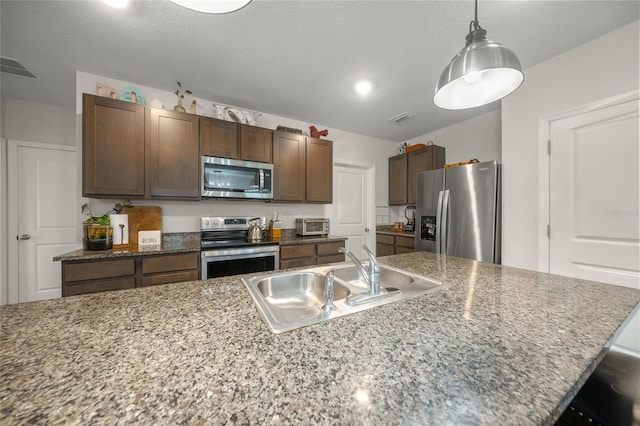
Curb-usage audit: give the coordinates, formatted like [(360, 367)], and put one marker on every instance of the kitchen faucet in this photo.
[(371, 275), (328, 293)]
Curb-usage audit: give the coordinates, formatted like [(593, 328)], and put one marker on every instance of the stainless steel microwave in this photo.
[(319, 226), (228, 178)]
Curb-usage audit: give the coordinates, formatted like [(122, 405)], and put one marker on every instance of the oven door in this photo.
[(239, 260)]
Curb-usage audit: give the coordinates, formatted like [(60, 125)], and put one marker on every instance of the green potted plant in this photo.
[(97, 233), (180, 94)]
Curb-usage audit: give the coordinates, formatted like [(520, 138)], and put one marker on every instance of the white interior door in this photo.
[(44, 216), (594, 196), (353, 206)]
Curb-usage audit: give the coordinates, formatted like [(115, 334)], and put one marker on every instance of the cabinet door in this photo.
[(398, 180), (430, 158), (384, 249), (418, 161), (218, 138), (172, 152), (170, 268), (404, 244), (319, 171), (256, 144), (96, 276), (288, 167), (112, 147)]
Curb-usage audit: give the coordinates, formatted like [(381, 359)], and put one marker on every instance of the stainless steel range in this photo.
[(225, 249)]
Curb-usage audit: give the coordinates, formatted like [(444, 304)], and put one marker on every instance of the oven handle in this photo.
[(242, 252)]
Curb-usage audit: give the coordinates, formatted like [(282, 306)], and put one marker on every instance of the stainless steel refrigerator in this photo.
[(458, 211)]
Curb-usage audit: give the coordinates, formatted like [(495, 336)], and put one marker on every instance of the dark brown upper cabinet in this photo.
[(398, 180), (302, 168), (112, 148), (227, 139), (319, 171), (173, 161), (404, 169), (256, 144), (429, 158), (288, 167), (218, 138)]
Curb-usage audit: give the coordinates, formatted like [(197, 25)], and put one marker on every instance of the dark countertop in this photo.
[(498, 345), (403, 234), (177, 243), (171, 243)]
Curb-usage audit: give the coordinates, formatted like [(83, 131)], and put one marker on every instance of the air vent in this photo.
[(12, 66), (402, 117)]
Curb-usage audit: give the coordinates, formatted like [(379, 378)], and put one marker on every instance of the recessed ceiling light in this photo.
[(117, 4), (363, 87)]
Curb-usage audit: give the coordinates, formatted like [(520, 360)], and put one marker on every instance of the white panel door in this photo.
[(47, 218), (353, 207), (594, 196)]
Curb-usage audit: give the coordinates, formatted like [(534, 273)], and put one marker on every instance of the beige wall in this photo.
[(600, 69), (35, 122), (478, 137)]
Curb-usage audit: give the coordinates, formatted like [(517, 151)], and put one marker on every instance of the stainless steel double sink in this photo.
[(293, 299)]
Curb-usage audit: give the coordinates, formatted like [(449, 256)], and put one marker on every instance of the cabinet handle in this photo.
[(366, 229), (23, 237)]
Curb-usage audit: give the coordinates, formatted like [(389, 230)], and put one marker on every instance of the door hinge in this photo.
[(549, 231), (548, 146)]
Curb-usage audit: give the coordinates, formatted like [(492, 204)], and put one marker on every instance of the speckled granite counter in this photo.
[(497, 346), (289, 237), (178, 243), (171, 243)]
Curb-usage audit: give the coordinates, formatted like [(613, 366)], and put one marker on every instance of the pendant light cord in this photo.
[(476, 32), (475, 24)]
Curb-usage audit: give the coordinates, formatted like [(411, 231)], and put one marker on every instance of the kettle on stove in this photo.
[(254, 234)]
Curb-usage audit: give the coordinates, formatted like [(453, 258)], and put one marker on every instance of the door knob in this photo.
[(366, 229), (23, 237)]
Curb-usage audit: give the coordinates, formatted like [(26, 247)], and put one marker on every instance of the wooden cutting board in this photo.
[(143, 218)]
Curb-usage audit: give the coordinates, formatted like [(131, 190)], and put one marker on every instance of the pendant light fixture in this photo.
[(482, 72), (213, 6)]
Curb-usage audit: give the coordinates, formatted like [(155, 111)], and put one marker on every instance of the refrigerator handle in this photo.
[(439, 222), (445, 222)]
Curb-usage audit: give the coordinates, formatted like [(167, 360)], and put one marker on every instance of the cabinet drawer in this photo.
[(97, 286), (384, 249), (330, 258), (297, 263), (329, 248), (175, 262), (301, 250), (173, 277), (98, 269), (401, 249), (385, 239), (405, 242)]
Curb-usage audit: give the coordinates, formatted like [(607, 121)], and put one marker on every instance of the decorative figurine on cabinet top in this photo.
[(315, 133)]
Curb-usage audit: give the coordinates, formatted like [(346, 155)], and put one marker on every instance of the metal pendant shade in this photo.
[(213, 6), (482, 72)]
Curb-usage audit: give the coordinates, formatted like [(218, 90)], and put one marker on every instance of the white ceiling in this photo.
[(297, 59)]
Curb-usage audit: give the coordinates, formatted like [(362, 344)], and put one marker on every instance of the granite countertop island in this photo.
[(498, 345)]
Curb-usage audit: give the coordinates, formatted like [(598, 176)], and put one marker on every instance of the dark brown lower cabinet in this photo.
[(299, 255), (94, 276), (387, 245)]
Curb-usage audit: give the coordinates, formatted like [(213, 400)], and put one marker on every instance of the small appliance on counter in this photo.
[(410, 214), (315, 226)]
